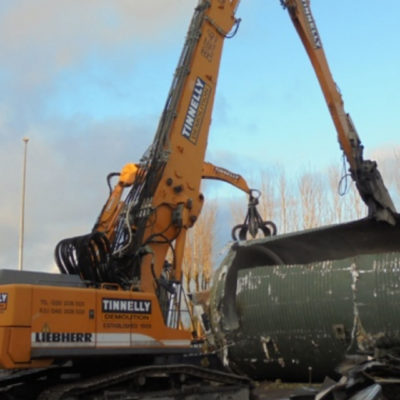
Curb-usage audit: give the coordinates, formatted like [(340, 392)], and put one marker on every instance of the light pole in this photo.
[(21, 228)]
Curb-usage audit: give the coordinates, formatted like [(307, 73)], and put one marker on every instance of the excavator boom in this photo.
[(164, 199), (365, 173)]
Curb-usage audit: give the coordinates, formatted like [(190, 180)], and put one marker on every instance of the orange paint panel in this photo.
[(15, 305), (58, 310), (11, 356), (20, 345), (5, 361)]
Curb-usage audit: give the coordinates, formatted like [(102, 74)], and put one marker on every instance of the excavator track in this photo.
[(161, 381), (8, 378), (28, 383)]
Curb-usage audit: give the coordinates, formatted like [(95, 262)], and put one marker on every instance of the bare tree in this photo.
[(283, 197), (397, 169), (238, 209), (311, 200), (336, 212), (355, 206), (268, 200), (199, 250), (188, 261)]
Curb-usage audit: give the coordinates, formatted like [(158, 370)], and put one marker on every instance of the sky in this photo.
[(87, 80)]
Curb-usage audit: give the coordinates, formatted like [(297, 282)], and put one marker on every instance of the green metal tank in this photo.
[(291, 307)]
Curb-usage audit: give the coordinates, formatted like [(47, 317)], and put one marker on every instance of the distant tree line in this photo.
[(312, 199)]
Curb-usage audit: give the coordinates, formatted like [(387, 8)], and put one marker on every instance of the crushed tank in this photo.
[(293, 306)]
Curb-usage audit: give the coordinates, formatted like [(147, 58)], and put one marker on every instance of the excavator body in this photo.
[(120, 291), (47, 317)]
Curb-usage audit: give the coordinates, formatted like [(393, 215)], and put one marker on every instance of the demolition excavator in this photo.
[(117, 315), (119, 300)]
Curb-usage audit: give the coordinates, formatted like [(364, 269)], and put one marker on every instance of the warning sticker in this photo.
[(3, 301)]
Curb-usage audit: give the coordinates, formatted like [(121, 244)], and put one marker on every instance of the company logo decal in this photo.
[(3, 301), (62, 337), (224, 171), (196, 110), (312, 25), (126, 306)]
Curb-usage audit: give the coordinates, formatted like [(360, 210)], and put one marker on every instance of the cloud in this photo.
[(69, 157), (40, 37), (65, 183), (45, 42)]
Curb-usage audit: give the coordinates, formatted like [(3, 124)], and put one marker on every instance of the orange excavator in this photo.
[(117, 314), (119, 296)]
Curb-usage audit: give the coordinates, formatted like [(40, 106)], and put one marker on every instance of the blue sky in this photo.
[(269, 107), (87, 82)]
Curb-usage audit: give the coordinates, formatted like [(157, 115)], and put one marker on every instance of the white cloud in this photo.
[(68, 159), (40, 37), (65, 183)]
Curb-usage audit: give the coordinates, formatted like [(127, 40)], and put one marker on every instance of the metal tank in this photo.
[(293, 306)]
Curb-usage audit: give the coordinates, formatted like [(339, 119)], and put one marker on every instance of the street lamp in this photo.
[(21, 228)]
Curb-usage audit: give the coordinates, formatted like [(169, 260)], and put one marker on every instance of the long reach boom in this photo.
[(365, 173)]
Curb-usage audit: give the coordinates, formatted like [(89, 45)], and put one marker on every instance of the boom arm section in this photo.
[(364, 172), (140, 240), (211, 171), (171, 196)]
